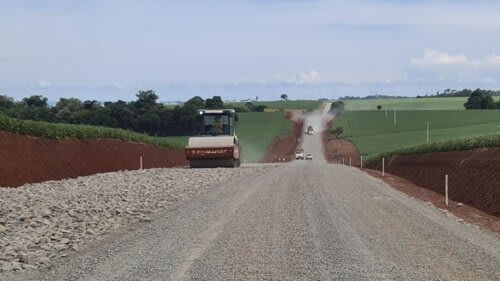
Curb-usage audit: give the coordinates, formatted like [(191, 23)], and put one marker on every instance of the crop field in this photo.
[(257, 131), (451, 103), (70, 131), (308, 105), (373, 132)]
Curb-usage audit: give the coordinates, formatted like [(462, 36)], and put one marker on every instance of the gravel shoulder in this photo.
[(43, 223)]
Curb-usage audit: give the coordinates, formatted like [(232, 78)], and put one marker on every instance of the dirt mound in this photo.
[(283, 148), (473, 175), (25, 159), (339, 149)]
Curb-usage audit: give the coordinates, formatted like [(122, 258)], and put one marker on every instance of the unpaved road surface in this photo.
[(305, 220)]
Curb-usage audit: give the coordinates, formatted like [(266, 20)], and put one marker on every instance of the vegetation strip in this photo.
[(68, 131), (460, 144)]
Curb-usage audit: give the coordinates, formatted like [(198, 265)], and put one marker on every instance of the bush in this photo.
[(337, 131)]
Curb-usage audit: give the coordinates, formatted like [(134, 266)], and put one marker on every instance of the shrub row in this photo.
[(460, 144), (68, 131)]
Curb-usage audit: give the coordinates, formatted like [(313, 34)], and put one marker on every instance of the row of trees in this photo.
[(481, 99), (460, 93), (144, 115)]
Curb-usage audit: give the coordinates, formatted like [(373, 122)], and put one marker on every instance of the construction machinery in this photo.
[(310, 130), (217, 145)]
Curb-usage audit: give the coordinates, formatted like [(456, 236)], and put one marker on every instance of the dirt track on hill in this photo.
[(283, 148)]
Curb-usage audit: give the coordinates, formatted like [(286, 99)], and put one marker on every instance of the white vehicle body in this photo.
[(299, 154)]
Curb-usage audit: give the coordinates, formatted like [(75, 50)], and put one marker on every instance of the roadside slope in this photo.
[(28, 159)]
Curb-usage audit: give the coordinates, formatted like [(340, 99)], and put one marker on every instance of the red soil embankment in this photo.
[(339, 150), (283, 148), (25, 159), (473, 175)]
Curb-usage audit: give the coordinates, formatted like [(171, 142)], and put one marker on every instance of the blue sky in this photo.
[(108, 50)]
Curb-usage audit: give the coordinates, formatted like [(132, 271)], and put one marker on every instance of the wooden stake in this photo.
[(446, 189)]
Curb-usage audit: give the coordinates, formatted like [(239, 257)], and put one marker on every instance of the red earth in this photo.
[(473, 175), (339, 150), (283, 148), (26, 159)]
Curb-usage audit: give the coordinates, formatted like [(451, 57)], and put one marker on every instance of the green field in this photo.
[(257, 131), (452, 103), (308, 105), (373, 132)]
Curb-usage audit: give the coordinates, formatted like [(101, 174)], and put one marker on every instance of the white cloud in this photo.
[(492, 60), (436, 58), (43, 84), (489, 80), (118, 85), (433, 57), (308, 77)]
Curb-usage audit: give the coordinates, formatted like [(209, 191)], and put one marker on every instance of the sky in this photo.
[(307, 49)]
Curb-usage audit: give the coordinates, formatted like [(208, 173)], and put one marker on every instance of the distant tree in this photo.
[(146, 99), (256, 98), (337, 107), (214, 103), (195, 102), (249, 105), (67, 110), (91, 104), (35, 101), (337, 131), (479, 99), (259, 108), (284, 97), (379, 107), (6, 102)]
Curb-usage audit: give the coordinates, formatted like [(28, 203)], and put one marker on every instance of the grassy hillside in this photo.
[(257, 131), (373, 132), (308, 105), (454, 103)]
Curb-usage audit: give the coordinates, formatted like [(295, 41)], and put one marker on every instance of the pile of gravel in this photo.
[(43, 222)]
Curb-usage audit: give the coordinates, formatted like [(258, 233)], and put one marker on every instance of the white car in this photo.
[(309, 156), (299, 154)]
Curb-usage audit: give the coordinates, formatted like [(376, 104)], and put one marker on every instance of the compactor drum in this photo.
[(217, 145)]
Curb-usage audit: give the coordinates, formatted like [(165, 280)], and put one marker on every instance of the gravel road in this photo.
[(305, 220)]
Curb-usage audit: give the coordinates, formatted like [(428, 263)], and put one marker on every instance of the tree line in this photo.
[(481, 99), (144, 115), (460, 93)]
